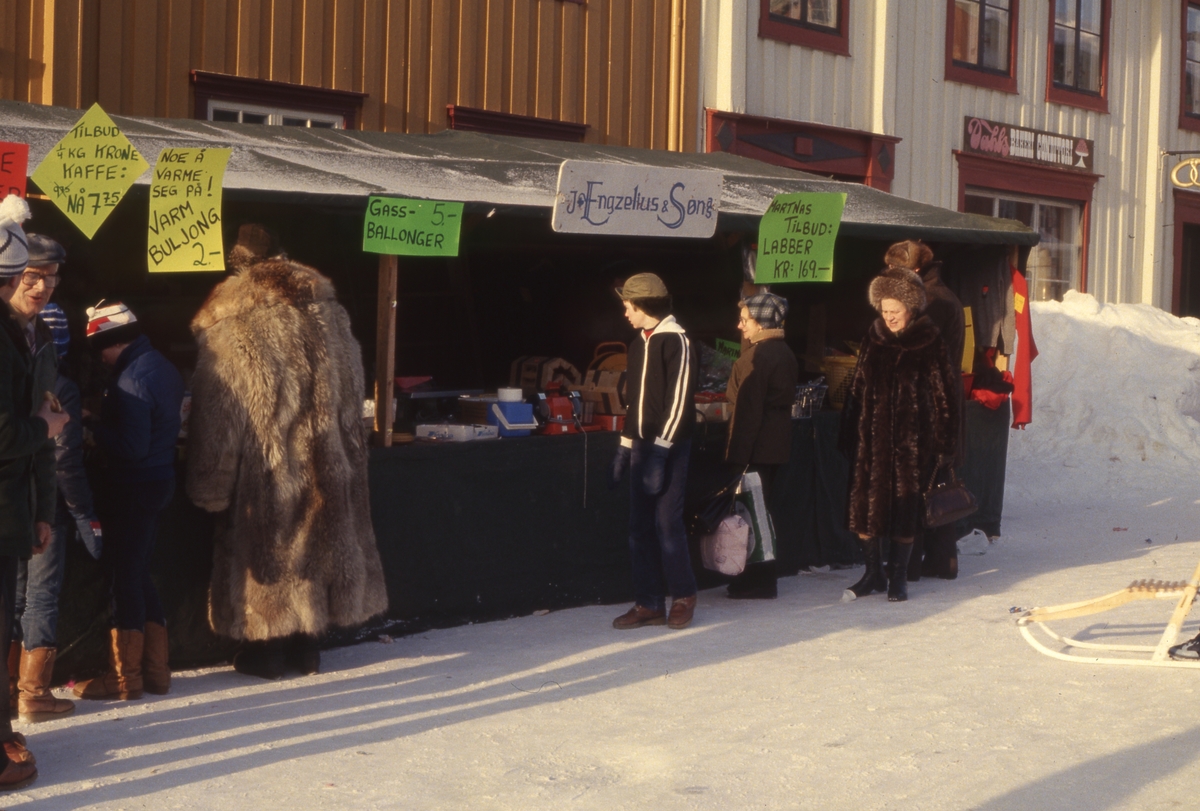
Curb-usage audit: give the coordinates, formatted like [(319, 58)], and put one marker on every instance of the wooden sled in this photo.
[(1184, 592)]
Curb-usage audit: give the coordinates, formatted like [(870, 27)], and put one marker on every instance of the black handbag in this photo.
[(948, 501), (711, 510)]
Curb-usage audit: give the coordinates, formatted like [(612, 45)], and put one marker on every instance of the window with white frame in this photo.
[(1053, 266), (239, 113)]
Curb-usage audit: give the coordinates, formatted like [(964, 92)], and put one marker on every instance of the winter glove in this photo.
[(92, 536), (654, 470), (620, 464)]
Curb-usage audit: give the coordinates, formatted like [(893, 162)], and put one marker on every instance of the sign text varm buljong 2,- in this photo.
[(622, 199), (185, 210)]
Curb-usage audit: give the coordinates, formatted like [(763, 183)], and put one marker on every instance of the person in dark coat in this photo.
[(655, 448), (761, 390), (936, 551), (898, 427), (28, 425), (137, 429)]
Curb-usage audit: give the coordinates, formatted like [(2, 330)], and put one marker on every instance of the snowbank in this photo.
[(1116, 396)]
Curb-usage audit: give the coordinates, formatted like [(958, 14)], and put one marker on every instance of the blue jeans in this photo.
[(129, 533), (658, 542), (39, 582)]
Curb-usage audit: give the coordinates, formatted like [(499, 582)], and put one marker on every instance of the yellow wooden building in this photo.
[(617, 72)]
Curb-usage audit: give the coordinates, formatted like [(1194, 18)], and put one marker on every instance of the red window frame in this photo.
[(798, 34), (1187, 121), (1002, 174), (982, 77), (1076, 98)]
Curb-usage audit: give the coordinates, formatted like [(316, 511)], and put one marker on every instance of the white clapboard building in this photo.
[(1068, 115)]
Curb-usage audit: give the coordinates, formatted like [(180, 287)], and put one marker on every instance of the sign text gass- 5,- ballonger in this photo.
[(629, 200), (400, 227), (796, 237)]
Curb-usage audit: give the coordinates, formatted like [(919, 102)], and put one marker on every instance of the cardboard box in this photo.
[(533, 373), (451, 432), (713, 412), (605, 389)]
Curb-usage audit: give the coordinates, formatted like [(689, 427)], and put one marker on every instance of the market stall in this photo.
[(486, 529)]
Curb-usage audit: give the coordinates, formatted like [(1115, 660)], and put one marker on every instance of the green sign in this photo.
[(729, 349), (400, 227), (796, 236)]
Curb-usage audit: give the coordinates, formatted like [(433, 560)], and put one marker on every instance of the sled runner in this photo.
[(1184, 592)]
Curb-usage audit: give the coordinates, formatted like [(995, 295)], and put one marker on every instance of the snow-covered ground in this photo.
[(801, 703)]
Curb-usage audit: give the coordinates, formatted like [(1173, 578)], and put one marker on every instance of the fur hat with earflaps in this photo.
[(901, 284)]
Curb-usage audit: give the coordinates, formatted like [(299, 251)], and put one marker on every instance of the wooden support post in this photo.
[(385, 350)]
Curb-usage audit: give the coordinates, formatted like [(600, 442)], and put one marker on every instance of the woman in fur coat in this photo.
[(899, 425), (277, 447)]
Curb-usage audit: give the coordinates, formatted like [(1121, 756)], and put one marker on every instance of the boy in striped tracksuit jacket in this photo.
[(655, 448)]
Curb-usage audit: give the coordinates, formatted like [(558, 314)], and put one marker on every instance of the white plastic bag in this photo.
[(726, 550)]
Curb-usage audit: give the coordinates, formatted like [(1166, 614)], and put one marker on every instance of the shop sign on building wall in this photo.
[(633, 200), (983, 137)]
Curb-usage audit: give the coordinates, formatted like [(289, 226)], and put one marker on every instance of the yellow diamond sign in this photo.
[(88, 172)]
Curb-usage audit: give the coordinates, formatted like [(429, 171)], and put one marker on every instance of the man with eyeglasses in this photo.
[(28, 423), (34, 648)]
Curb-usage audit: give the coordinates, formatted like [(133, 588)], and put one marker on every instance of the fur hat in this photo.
[(901, 284), (14, 246), (911, 253)]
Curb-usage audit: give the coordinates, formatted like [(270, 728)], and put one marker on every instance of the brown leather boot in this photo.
[(124, 677), (156, 672), (14, 673), (681, 613), (17, 775), (37, 703)]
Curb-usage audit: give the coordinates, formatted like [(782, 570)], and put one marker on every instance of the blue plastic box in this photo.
[(517, 414)]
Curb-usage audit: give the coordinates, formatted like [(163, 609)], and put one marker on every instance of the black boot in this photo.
[(872, 579), (898, 585), (304, 654), (262, 659)]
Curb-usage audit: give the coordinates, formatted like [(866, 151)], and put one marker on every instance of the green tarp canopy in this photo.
[(514, 175)]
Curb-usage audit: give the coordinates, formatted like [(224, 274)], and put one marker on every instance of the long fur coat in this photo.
[(277, 447), (901, 415)]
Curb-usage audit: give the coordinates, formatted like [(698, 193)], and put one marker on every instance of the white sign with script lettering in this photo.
[(620, 199)]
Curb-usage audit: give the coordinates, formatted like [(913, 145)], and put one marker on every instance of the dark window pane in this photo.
[(1064, 56), (294, 122), (1193, 33), (1064, 12), (1191, 88), (966, 31), (995, 39), (1089, 63), (974, 204), (1089, 16), (786, 8), (322, 125), (254, 118), (1015, 210), (224, 115), (823, 13), (998, 3)]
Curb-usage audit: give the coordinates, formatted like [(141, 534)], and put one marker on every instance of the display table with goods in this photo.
[(481, 530)]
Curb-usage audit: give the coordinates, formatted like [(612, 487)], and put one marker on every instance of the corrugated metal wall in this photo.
[(626, 68), (893, 84)]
